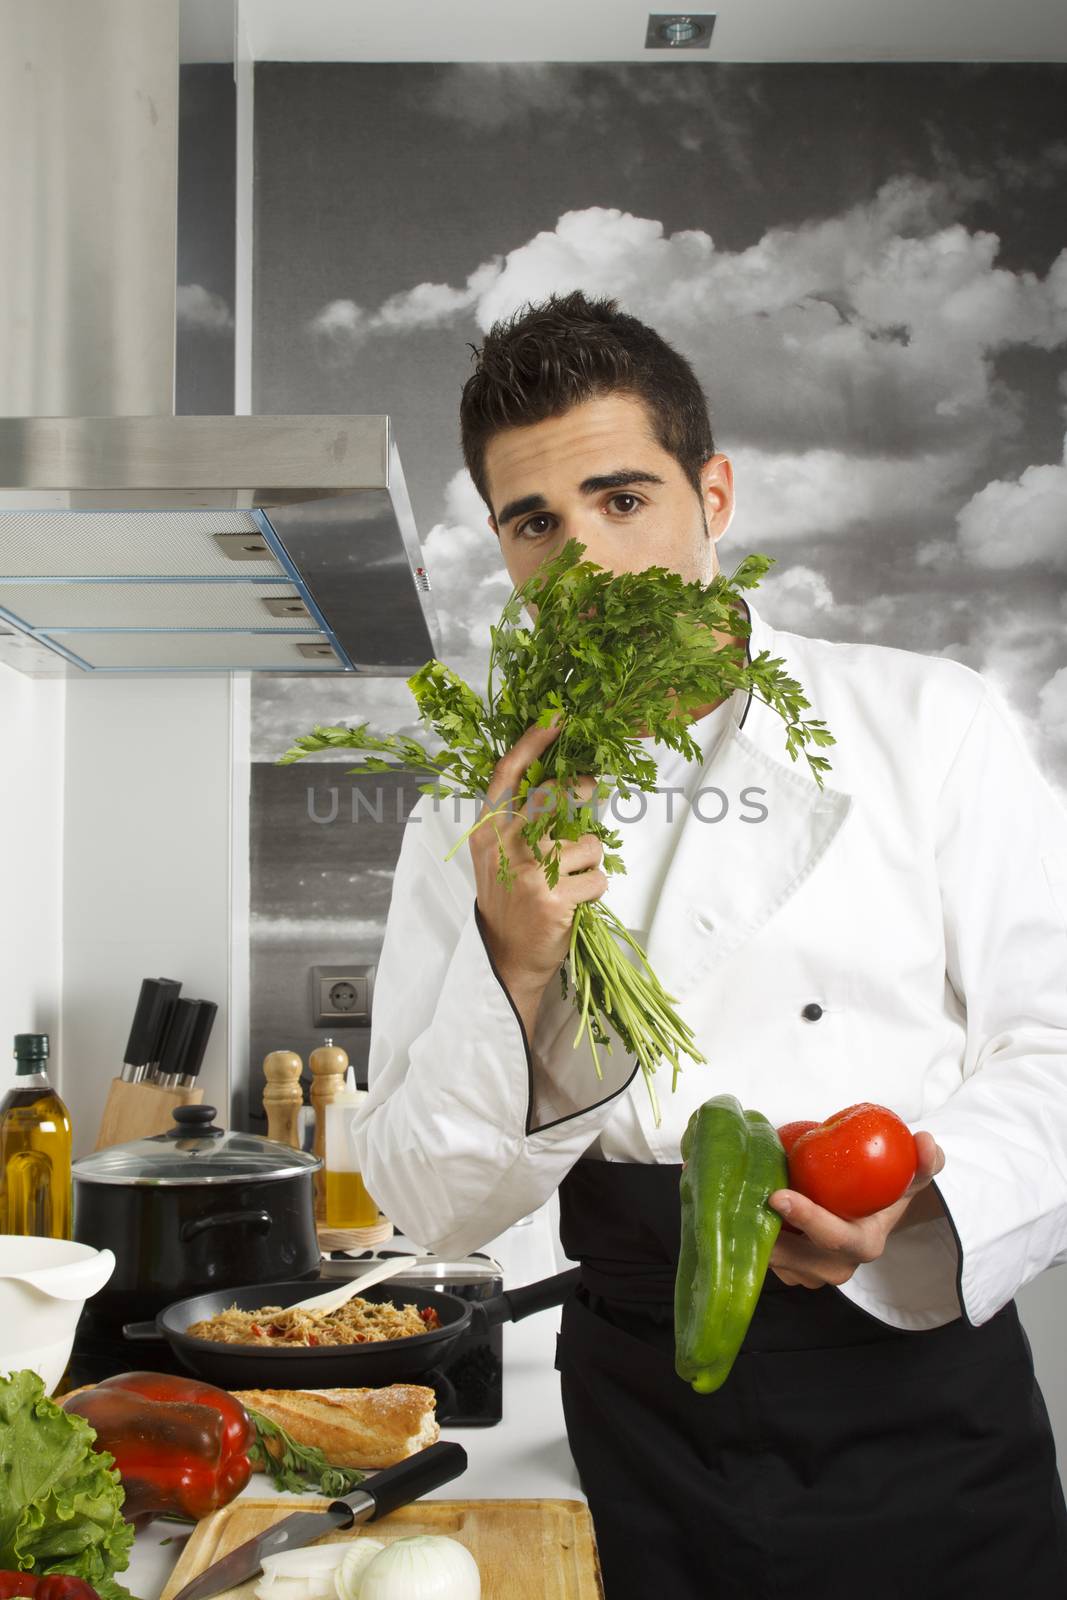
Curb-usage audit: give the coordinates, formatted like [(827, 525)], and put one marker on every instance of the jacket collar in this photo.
[(726, 879)]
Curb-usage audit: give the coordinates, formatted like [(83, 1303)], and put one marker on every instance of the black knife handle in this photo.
[(174, 1045), (205, 1018), (397, 1486), (154, 1005)]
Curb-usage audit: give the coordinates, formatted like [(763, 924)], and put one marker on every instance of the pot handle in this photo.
[(142, 1333), (258, 1221), (514, 1304)]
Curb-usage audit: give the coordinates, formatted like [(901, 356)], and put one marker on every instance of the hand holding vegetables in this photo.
[(857, 1159), (864, 1160)]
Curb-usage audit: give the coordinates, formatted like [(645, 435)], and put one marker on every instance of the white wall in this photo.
[(153, 772), (31, 861)]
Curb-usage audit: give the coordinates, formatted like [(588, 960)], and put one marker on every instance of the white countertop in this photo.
[(525, 1456)]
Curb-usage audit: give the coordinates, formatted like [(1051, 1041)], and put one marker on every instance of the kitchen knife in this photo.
[(154, 1005), (205, 1021), (174, 1044), (384, 1492), (186, 1040)]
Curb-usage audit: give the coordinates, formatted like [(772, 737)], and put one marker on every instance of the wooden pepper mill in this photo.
[(283, 1096), (328, 1064)]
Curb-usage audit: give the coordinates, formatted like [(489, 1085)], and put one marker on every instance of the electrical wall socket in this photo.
[(341, 997)]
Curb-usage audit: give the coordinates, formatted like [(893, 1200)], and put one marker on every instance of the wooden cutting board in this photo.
[(525, 1549)]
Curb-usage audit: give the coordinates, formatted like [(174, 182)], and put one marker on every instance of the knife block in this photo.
[(137, 1110)]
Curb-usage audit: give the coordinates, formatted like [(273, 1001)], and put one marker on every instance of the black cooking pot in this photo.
[(195, 1209)]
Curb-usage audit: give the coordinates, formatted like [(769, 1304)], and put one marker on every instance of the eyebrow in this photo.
[(596, 485)]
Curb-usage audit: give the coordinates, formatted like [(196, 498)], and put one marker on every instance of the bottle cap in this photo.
[(31, 1047)]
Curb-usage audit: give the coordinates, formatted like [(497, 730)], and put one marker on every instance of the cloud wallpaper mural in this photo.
[(866, 265)]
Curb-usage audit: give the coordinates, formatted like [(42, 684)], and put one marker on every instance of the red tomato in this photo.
[(64, 1586), (857, 1162), (789, 1133)]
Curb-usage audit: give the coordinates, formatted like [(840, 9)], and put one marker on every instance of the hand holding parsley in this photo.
[(618, 657)]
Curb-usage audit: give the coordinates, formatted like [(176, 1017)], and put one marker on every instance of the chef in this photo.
[(898, 935)]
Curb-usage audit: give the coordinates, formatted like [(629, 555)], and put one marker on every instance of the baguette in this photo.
[(353, 1427)]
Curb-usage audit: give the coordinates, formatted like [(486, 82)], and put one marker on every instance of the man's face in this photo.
[(597, 474)]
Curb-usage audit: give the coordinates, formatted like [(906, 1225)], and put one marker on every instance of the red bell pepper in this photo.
[(50, 1586), (179, 1445)]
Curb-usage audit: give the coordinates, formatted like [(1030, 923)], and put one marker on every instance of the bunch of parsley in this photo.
[(613, 655)]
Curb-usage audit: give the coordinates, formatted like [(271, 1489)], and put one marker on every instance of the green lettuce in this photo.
[(60, 1499)]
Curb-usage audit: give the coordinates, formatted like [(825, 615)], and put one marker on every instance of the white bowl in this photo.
[(44, 1283)]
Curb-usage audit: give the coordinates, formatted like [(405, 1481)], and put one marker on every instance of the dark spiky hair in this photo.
[(548, 357)]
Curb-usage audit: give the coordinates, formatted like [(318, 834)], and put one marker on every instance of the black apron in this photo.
[(841, 1457)]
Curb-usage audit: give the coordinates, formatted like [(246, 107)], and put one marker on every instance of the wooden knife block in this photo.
[(136, 1110)]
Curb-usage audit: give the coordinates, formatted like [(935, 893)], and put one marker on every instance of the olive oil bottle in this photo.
[(35, 1181)]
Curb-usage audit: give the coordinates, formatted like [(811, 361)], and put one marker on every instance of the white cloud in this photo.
[(468, 578), (786, 497), (342, 326), (870, 332), (341, 320), (197, 307), (1010, 525)]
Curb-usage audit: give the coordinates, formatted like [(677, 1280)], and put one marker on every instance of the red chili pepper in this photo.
[(179, 1444)]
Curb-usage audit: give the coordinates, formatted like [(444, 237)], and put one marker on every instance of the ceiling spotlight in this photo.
[(679, 31)]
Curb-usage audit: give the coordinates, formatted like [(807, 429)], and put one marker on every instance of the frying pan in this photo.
[(245, 1366)]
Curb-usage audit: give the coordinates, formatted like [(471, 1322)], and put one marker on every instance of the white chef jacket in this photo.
[(919, 898)]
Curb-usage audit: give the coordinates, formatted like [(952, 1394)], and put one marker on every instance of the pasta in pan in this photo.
[(358, 1322)]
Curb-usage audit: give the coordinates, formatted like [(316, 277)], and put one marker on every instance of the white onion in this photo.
[(301, 1574), (427, 1566), (349, 1575)]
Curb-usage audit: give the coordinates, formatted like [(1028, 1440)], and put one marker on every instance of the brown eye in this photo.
[(632, 498), (521, 531)]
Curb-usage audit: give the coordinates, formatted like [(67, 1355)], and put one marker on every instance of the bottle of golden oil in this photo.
[(348, 1204), (35, 1181)]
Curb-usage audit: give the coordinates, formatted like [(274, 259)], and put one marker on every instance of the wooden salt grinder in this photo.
[(328, 1064), (283, 1096)]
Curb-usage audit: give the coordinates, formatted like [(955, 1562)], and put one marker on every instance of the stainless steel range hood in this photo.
[(153, 542)]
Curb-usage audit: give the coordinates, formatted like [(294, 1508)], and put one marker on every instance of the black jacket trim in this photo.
[(526, 1047), (748, 660), (959, 1260)]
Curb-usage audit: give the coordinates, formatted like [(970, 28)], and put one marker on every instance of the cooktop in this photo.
[(468, 1383)]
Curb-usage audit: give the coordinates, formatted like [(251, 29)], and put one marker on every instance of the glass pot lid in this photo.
[(194, 1151)]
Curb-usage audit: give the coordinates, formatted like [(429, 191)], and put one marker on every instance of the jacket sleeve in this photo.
[(468, 1125), (1001, 850)]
